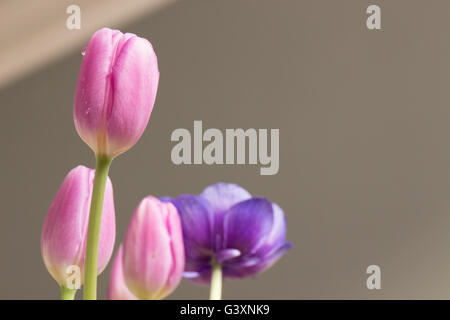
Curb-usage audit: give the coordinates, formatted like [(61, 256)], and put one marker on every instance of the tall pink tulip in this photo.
[(63, 239), (153, 250), (115, 92), (118, 290), (114, 98)]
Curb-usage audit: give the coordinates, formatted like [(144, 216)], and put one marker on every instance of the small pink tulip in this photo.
[(115, 92), (63, 239), (118, 290), (153, 250)]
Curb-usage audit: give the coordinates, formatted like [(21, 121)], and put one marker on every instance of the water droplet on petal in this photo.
[(83, 52)]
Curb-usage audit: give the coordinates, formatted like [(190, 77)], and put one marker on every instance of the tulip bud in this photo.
[(115, 92), (153, 250), (63, 239), (118, 290)]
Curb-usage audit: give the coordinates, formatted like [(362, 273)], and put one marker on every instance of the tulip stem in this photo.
[(216, 281), (68, 294), (95, 216)]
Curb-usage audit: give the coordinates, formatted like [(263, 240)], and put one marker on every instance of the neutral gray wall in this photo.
[(364, 120)]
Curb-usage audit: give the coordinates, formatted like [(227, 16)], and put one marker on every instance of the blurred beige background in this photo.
[(364, 120)]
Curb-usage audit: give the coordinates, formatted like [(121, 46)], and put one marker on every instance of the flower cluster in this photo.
[(223, 232)]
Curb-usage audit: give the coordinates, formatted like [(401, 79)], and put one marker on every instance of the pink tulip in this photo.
[(63, 239), (115, 92), (118, 290), (153, 250)]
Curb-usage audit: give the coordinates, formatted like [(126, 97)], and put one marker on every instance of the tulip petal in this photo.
[(147, 252), (91, 91), (135, 78), (173, 225), (277, 235), (254, 265), (118, 290), (268, 260), (198, 225), (64, 227), (222, 196), (247, 224)]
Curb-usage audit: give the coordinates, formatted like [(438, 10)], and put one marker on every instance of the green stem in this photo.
[(216, 282), (95, 215), (67, 294)]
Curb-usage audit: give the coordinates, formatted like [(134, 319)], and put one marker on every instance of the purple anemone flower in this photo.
[(225, 224)]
